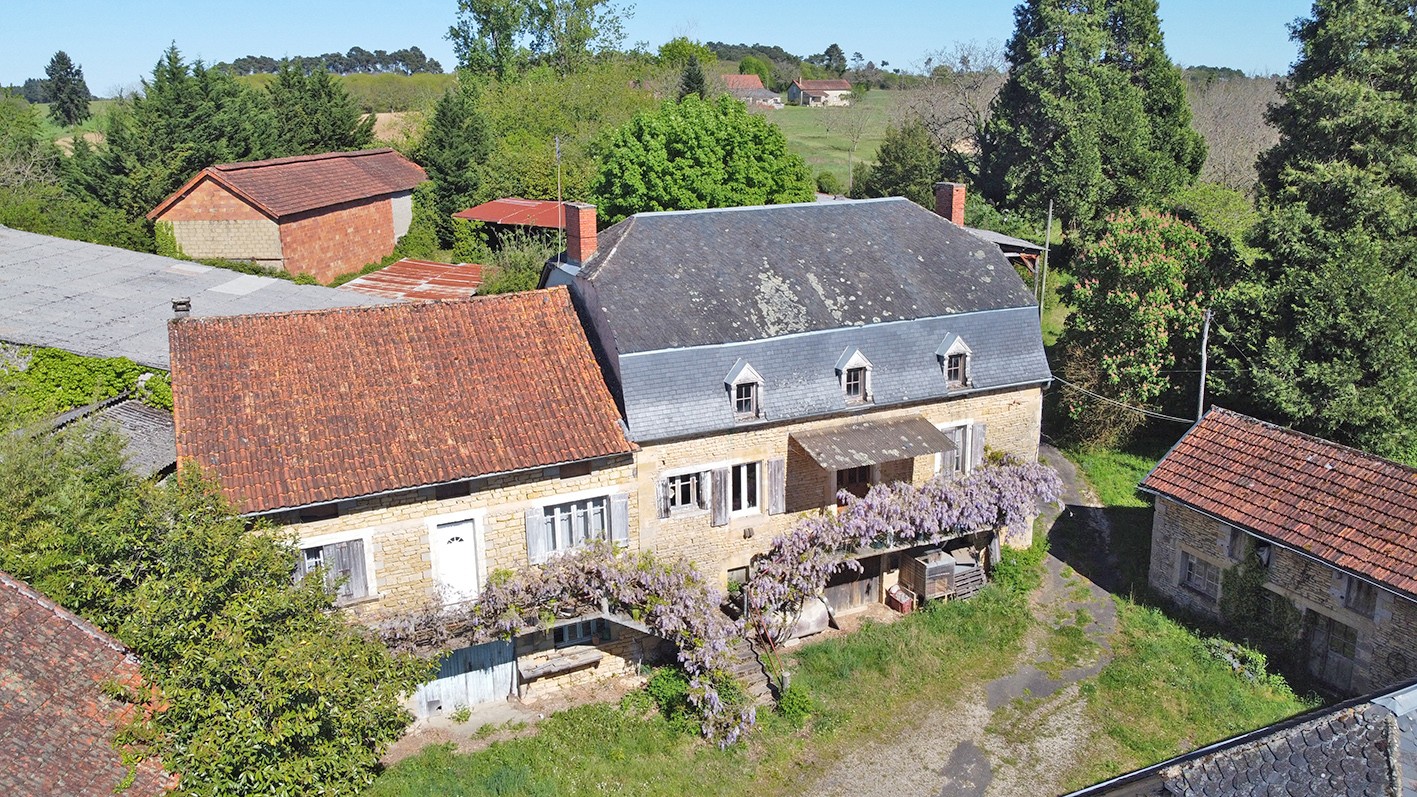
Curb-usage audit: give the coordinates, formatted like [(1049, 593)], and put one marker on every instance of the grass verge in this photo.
[(822, 136)]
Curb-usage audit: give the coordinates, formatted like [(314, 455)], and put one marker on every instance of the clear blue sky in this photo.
[(118, 41)]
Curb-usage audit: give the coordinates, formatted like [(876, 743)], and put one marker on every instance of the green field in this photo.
[(97, 108), (382, 93), (822, 136)]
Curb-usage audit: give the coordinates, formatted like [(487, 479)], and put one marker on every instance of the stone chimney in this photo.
[(580, 232), (949, 201), (181, 307)]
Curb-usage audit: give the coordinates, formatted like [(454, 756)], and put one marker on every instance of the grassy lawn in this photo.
[(97, 108), (820, 135)]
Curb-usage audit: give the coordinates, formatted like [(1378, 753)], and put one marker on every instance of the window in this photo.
[(574, 524), (855, 381), (343, 566), (583, 632), (684, 492), (955, 371), (1342, 639), (854, 371), (1200, 576), (856, 481), (745, 488), (957, 461), (745, 400), (1360, 597)]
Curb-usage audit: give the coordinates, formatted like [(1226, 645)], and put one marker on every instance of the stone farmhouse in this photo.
[(750, 89), (767, 357), (323, 215), (1332, 527), (819, 92), (414, 449), (58, 721)]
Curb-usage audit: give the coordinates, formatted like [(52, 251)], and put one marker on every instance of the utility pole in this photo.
[(1040, 278), (1205, 340)]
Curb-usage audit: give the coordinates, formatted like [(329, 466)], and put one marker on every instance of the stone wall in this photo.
[(1386, 650), (1012, 419), (624, 654), (211, 222), (340, 239)]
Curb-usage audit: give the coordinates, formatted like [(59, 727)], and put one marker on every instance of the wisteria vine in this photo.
[(673, 600)]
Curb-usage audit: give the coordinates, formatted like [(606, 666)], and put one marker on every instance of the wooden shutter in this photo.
[(661, 497), (719, 496), (777, 486), (620, 518), (702, 489), (335, 560), (536, 548), (976, 445), (358, 584)]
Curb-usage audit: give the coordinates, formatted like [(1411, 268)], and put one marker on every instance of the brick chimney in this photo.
[(580, 231), (949, 201)]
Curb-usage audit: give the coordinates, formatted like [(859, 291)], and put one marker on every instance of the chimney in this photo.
[(181, 307), (949, 201), (580, 231)]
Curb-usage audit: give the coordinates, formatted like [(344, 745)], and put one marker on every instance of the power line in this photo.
[(1148, 413)]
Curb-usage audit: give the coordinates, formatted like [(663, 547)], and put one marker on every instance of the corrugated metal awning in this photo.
[(873, 442)]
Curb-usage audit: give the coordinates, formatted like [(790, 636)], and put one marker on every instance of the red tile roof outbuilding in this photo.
[(419, 281), (743, 82), (57, 722), (1337, 504), (283, 187), (293, 409), (514, 210)]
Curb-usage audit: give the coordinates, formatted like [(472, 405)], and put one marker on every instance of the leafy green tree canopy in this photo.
[(1328, 338), (499, 36), (677, 51), (314, 114), (68, 93), (753, 65), (698, 154), (907, 165), (692, 81), (453, 151)]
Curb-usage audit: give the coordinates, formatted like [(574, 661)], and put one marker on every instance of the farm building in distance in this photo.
[(323, 215)]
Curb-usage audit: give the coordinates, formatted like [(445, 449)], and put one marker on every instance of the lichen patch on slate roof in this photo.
[(300, 408)]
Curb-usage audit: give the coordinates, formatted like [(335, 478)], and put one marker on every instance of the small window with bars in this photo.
[(343, 566)]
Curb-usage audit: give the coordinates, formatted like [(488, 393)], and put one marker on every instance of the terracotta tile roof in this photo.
[(514, 210), (743, 82), (420, 280), (300, 408), (56, 723), (285, 186), (823, 85), (1341, 505)]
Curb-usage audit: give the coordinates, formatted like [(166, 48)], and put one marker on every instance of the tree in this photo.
[(907, 165), (68, 94), (833, 59), (677, 51), (315, 114), (487, 33), (698, 154), (265, 689), (453, 151), (954, 100), (692, 82), (1093, 114), (568, 32), (752, 65), (1328, 336), (499, 36)]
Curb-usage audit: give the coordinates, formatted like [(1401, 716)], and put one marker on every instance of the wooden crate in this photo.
[(929, 575)]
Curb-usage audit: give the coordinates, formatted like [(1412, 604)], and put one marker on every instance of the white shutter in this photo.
[(702, 491), (976, 445), (620, 518), (719, 496), (777, 486), (536, 533)]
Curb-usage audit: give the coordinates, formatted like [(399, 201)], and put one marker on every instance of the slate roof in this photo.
[(283, 187), (102, 301), (151, 444), (56, 722), (823, 85), (693, 278), (1343, 506), (419, 280), (871, 442), (294, 409), (1366, 747), (743, 82)]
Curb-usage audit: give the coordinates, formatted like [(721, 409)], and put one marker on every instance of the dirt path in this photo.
[(1021, 733)]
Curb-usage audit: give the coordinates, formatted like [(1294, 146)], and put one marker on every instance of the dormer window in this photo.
[(745, 391), (854, 371), (955, 356)]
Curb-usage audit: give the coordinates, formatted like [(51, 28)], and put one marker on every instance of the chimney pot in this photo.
[(949, 201), (580, 231), (181, 307)]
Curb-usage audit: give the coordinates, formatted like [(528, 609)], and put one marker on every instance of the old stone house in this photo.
[(1331, 527), (750, 89), (416, 449), (819, 92), (323, 215), (768, 357)]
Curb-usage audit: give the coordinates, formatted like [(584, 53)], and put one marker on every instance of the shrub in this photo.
[(668, 687), (795, 704), (829, 183)]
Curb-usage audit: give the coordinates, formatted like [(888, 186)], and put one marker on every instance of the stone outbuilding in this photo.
[(323, 215), (819, 92), (1333, 530)]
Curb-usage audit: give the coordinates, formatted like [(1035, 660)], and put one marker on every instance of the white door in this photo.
[(455, 552)]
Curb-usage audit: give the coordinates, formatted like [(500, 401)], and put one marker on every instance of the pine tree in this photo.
[(692, 81), (453, 150), (314, 114), (1327, 336), (1093, 115), (907, 165), (68, 93)]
